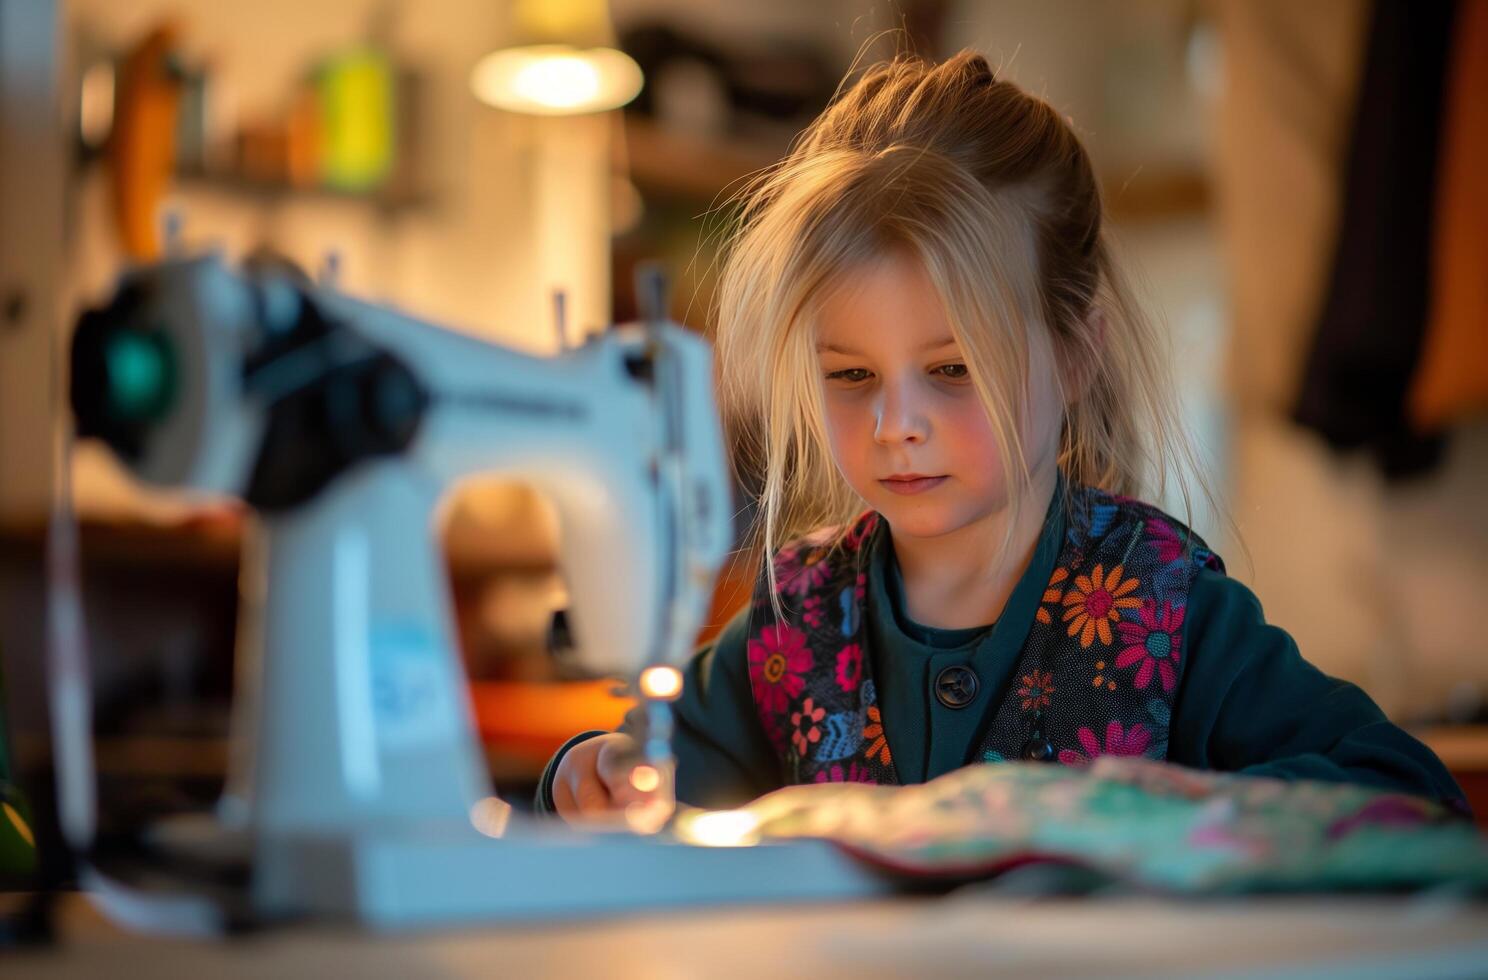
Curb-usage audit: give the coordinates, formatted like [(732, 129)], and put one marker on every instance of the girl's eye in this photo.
[(850, 375), (953, 372)]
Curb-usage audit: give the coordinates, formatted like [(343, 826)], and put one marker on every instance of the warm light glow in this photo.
[(556, 80), (560, 82), (661, 683), (645, 778), (719, 828), (490, 816)]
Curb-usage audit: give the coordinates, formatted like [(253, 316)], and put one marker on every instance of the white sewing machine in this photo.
[(343, 423)]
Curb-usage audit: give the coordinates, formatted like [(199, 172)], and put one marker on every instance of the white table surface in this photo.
[(963, 934)]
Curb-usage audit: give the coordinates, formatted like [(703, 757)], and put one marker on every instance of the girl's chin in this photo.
[(920, 521)]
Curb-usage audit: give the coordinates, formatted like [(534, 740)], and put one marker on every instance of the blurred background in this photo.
[(1289, 184)]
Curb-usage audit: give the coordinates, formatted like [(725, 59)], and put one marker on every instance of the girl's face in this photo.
[(907, 429)]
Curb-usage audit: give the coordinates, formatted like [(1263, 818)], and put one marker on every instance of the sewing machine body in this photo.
[(364, 781)]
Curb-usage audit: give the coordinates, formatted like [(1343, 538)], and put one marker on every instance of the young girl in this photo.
[(920, 316)]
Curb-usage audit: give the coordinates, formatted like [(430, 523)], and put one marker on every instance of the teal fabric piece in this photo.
[(1143, 823)]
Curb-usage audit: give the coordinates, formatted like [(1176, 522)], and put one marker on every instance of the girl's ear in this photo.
[(1080, 356)]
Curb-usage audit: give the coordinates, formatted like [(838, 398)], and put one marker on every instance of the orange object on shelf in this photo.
[(142, 147)]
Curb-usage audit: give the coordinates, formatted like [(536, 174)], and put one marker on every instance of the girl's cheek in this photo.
[(842, 435), (976, 439), (849, 416)]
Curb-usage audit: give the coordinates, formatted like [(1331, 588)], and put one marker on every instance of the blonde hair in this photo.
[(990, 189)]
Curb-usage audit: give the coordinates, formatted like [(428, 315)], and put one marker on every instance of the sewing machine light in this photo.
[(718, 828), (645, 778), (661, 683)]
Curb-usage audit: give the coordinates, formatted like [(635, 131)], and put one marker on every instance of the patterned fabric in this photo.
[(1096, 676), (1142, 823)]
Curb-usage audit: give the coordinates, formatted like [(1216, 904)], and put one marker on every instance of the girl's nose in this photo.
[(901, 417)]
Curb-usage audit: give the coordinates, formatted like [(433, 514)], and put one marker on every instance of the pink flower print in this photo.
[(854, 773), (849, 667), (812, 611), (778, 658), (1133, 741), (804, 573), (804, 729), (1164, 537), (860, 587), (1153, 642)]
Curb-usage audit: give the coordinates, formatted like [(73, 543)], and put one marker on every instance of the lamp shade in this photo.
[(562, 61)]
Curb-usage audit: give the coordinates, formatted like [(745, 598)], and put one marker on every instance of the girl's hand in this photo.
[(593, 779)]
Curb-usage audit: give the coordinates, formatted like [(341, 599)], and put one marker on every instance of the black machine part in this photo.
[(335, 400), (333, 397)]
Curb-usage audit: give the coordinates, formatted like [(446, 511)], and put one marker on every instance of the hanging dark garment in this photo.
[(1373, 320), (1451, 383)]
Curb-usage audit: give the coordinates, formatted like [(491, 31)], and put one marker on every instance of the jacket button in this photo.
[(1038, 749), (956, 687)]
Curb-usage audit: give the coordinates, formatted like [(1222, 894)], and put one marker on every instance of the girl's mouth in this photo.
[(911, 483)]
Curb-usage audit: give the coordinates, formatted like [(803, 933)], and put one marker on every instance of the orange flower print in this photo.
[(1036, 689), (873, 734), (1052, 594), (805, 732), (1095, 602)]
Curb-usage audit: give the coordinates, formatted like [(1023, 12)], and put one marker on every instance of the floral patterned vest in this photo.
[(1096, 675)]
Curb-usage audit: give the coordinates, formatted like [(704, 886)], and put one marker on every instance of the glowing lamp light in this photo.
[(556, 79), (662, 683)]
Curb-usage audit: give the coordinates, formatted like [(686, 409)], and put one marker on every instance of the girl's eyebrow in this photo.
[(932, 345)]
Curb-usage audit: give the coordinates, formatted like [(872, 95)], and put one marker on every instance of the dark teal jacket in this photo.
[(1247, 701)]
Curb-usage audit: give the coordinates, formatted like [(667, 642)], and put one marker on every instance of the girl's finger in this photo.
[(591, 797), (563, 800), (628, 780)]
